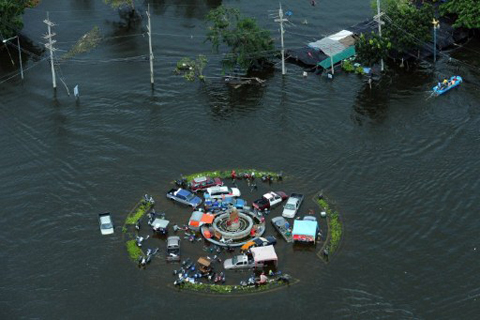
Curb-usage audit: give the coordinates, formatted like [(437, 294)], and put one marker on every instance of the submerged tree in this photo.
[(372, 48), (192, 69), (86, 43), (467, 12), (11, 15), (250, 46), (116, 4), (407, 26)]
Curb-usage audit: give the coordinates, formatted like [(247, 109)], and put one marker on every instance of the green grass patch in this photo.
[(227, 173), (334, 225), (133, 250), (228, 289), (139, 211)]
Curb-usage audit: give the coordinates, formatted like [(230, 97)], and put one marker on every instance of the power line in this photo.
[(30, 67)]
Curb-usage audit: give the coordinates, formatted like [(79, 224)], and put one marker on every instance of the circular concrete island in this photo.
[(227, 232)]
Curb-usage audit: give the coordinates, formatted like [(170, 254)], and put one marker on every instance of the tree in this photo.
[(86, 43), (466, 11), (407, 26), (11, 15), (372, 48), (192, 69), (121, 3), (250, 46)]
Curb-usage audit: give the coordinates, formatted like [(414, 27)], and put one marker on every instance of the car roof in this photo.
[(269, 195), (183, 192), (218, 188), (200, 179), (173, 239)]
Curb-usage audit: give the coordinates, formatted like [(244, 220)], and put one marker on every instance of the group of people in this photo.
[(446, 83)]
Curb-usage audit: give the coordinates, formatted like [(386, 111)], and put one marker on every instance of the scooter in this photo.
[(140, 239)]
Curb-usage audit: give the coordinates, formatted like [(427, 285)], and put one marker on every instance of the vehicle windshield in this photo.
[(107, 226), (190, 196), (234, 260), (289, 206)]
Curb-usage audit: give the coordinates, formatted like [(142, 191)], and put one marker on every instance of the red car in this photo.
[(202, 183)]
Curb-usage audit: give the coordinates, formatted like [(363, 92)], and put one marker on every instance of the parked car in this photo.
[(267, 241), (222, 192), (242, 261), (173, 248), (283, 227), (105, 222), (293, 204), (184, 196), (270, 200), (234, 202), (202, 183), (258, 242)]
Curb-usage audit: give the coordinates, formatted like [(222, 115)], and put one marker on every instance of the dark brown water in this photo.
[(402, 169)]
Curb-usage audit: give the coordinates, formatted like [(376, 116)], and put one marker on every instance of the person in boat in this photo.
[(444, 84)]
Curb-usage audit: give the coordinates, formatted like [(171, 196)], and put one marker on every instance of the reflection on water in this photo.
[(371, 104), (197, 9), (226, 98)]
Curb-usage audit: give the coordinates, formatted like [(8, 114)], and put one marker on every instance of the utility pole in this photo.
[(49, 46), (19, 52), (281, 20), (149, 27), (436, 25), (378, 18)]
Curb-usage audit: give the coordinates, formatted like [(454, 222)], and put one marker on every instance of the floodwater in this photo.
[(402, 169)]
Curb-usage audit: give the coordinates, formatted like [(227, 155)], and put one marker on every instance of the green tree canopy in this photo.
[(121, 3), (11, 15), (466, 11), (250, 46), (407, 26), (371, 48)]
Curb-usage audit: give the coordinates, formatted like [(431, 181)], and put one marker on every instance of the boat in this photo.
[(453, 82), (283, 227), (105, 222)]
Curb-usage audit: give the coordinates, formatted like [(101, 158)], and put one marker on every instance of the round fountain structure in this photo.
[(233, 227)]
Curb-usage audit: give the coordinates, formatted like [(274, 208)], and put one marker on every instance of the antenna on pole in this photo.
[(149, 28), (49, 46), (281, 20)]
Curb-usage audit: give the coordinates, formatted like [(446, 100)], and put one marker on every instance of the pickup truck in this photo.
[(239, 262), (293, 204), (270, 200), (184, 196)]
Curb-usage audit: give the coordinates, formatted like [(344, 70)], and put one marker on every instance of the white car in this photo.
[(106, 225), (291, 207), (222, 192)]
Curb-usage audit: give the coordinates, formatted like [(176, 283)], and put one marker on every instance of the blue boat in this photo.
[(452, 83)]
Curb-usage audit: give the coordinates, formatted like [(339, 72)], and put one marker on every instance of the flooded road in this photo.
[(402, 169)]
